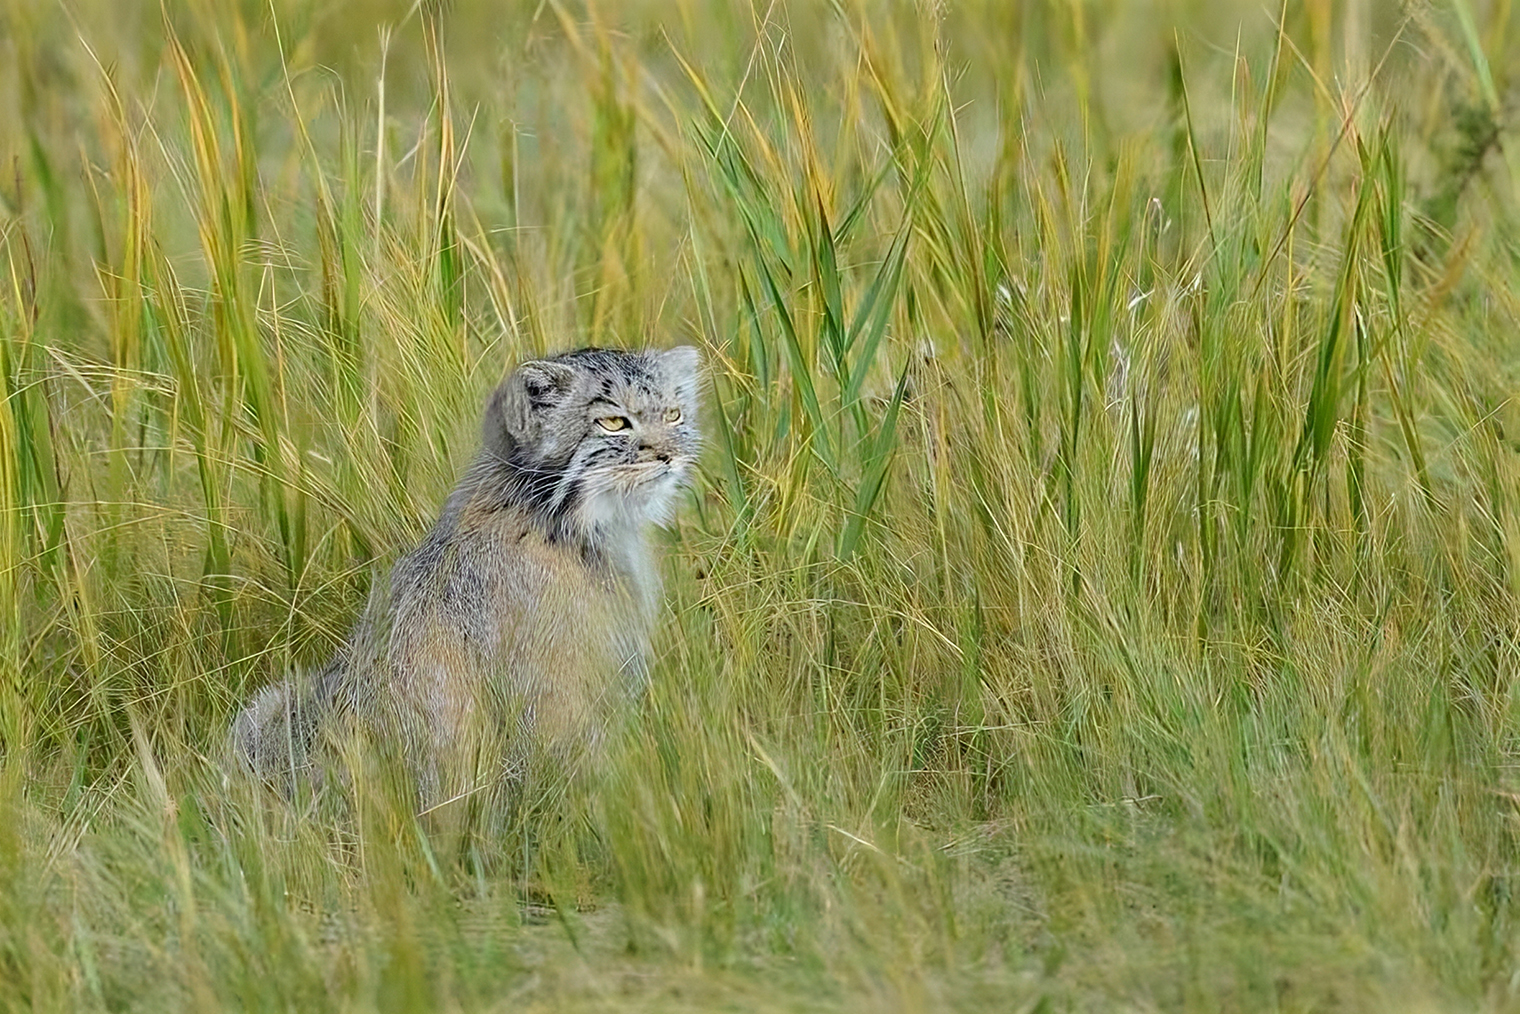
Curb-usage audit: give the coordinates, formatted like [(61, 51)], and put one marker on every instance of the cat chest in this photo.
[(526, 605)]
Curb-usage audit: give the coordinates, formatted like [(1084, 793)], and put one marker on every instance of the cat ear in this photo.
[(514, 415), (541, 384), (682, 363), (682, 366)]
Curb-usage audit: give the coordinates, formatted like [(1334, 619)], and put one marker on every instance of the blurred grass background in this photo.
[(1102, 590)]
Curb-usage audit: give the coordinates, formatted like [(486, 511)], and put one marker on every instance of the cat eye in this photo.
[(672, 415), (613, 423)]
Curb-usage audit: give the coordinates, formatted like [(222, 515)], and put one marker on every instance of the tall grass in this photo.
[(1101, 593)]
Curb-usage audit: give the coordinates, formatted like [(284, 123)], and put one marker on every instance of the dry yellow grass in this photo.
[(1102, 592)]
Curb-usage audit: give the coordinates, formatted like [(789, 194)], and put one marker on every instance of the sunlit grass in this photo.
[(1102, 589)]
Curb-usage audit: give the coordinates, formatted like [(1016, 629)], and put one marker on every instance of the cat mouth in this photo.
[(650, 472), (637, 482), (635, 492)]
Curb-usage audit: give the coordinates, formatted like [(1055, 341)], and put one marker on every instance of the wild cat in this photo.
[(524, 616)]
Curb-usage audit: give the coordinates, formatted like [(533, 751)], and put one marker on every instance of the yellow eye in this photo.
[(613, 423), (672, 415)]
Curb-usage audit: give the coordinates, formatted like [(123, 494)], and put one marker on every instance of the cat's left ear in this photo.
[(683, 366), (682, 362)]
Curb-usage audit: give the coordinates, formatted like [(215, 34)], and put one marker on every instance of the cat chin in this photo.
[(661, 492), (650, 502), (644, 496)]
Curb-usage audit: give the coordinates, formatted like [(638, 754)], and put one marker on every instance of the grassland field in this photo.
[(1101, 593)]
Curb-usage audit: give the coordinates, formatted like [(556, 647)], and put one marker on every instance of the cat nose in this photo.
[(650, 452)]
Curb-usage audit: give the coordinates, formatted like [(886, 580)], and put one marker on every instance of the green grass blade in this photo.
[(800, 370), (875, 464)]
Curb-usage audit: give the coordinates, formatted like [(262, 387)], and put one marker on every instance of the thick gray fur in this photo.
[(524, 616)]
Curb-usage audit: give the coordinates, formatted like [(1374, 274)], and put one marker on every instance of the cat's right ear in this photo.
[(514, 415)]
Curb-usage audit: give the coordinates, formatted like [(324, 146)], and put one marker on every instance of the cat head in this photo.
[(599, 438)]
